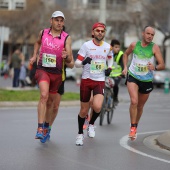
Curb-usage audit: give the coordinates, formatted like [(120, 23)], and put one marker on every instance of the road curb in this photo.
[(163, 140), (34, 104)]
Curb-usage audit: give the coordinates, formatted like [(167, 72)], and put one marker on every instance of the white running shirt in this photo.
[(99, 55)]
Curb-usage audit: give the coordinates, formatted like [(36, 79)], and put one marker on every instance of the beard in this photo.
[(98, 38)]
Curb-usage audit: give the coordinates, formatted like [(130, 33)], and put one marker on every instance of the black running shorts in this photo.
[(144, 87)]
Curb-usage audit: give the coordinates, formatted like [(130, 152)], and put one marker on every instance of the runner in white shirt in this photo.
[(93, 56)]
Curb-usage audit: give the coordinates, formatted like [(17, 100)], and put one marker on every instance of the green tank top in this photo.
[(143, 52), (141, 56)]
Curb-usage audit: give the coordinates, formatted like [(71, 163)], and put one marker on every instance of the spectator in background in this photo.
[(32, 71), (116, 68), (17, 59), (22, 75)]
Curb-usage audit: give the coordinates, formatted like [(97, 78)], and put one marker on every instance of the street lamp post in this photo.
[(2, 31), (102, 13)]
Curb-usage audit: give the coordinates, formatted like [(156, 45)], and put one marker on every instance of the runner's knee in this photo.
[(134, 102), (97, 108), (83, 113), (44, 97)]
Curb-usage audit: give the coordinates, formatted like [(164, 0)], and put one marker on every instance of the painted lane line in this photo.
[(124, 143)]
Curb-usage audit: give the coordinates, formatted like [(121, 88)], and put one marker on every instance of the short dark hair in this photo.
[(114, 42), (16, 47), (147, 27)]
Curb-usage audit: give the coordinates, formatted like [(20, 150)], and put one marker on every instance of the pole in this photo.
[(166, 86), (102, 11), (1, 44)]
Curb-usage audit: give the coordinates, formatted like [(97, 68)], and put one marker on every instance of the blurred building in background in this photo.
[(12, 4), (23, 19)]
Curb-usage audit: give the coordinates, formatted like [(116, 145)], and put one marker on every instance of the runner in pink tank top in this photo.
[(53, 46), (51, 49)]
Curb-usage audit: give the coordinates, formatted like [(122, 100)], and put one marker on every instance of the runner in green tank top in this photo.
[(140, 74), (141, 57)]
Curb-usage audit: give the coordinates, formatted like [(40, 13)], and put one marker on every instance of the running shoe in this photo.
[(133, 133), (91, 131), (39, 134), (46, 134), (86, 122), (79, 139)]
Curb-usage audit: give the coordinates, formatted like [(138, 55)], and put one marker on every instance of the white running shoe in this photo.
[(79, 139), (91, 131)]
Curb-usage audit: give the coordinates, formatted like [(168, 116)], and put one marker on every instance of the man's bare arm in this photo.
[(128, 51), (67, 55), (71, 64), (159, 58)]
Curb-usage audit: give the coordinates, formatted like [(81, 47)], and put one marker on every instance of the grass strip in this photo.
[(31, 95)]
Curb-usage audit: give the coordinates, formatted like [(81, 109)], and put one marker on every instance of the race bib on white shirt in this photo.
[(98, 54), (141, 69), (97, 66), (48, 60)]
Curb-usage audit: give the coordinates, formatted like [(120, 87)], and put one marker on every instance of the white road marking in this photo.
[(124, 143)]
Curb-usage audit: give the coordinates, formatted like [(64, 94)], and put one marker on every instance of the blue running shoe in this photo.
[(46, 132), (39, 134)]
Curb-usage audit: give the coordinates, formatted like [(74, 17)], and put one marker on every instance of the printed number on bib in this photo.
[(97, 67), (49, 60), (141, 69)]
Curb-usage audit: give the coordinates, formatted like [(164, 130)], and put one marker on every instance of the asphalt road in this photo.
[(109, 150)]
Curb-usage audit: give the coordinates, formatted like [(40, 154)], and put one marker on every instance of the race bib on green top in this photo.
[(97, 67), (141, 69), (48, 60)]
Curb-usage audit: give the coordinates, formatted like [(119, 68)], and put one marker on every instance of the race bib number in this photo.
[(141, 69), (97, 67), (48, 60)]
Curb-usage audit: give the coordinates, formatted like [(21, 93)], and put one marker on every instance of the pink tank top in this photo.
[(50, 58)]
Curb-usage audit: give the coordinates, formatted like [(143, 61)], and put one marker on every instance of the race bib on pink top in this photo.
[(49, 60)]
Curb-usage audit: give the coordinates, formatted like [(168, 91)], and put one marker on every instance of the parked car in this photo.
[(160, 76), (71, 73)]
